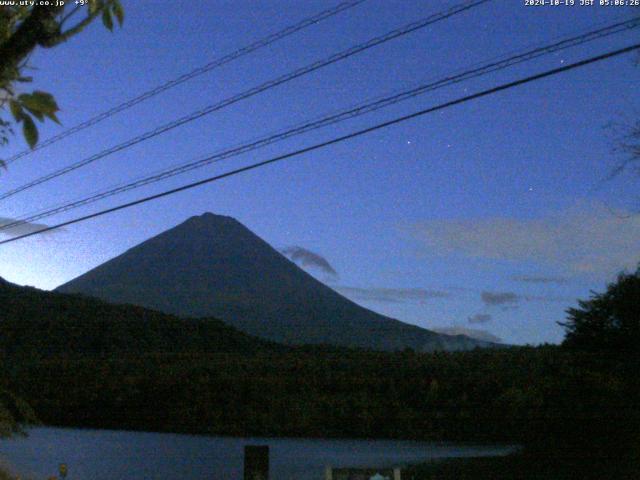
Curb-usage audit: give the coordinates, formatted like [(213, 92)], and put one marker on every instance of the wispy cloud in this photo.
[(307, 258), (21, 228), (480, 318), (541, 279), (499, 298), (511, 299), (391, 295), (469, 332), (587, 238)]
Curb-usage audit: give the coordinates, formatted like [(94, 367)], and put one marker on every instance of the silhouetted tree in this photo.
[(602, 404), (608, 324)]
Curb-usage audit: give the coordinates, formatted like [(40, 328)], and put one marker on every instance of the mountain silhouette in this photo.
[(213, 266), (36, 323)]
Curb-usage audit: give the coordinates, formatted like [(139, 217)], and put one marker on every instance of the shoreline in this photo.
[(343, 451), (435, 441), (440, 443)]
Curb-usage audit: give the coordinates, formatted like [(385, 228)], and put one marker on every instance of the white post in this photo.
[(396, 474)]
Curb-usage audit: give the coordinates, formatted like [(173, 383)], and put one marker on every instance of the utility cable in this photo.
[(340, 116), (334, 141), (268, 40), (409, 28)]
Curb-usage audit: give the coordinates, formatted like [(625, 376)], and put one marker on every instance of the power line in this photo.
[(409, 28), (266, 41), (334, 141), (331, 119)]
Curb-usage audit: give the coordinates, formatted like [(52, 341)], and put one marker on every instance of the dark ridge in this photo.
[(36, 323)]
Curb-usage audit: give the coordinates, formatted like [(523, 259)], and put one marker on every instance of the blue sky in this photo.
[(491, 215)]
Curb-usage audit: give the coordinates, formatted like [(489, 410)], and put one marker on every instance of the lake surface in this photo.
[(106, 454)]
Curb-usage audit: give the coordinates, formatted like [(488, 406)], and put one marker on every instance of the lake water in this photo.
[(106, 454)]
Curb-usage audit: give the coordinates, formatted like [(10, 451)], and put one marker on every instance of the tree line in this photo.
[(80, 362)]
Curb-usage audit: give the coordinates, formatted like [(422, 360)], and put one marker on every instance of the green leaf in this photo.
[(40, 104), (30, 131), (118, 11), (16, 110), (36, 113), (94, 6), (53, 117), (106, 19), (39, 101), (45, 99)]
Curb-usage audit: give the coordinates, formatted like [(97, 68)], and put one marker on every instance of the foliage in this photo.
[(23, 28), (608, 323), (85, 363), (319, 392), (15, 414), (89, 363), (602, 336)]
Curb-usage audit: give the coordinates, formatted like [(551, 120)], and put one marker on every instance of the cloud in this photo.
[(587, 238), (307, 258), (534, 279), (491, 295), (499, 298), (391, 295), (480, 318), (510, 300), (469, 332), (20, 229)]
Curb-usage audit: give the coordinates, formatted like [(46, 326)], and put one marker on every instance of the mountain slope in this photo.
[(38, 323), (212, 265)]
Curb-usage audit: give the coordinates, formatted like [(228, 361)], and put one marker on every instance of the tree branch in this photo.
[(37, 29), (64, 36)]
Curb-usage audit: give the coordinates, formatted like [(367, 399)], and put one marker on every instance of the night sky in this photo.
[(493, 215)]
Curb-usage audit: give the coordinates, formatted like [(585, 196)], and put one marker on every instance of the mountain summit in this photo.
[(213, 266)]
